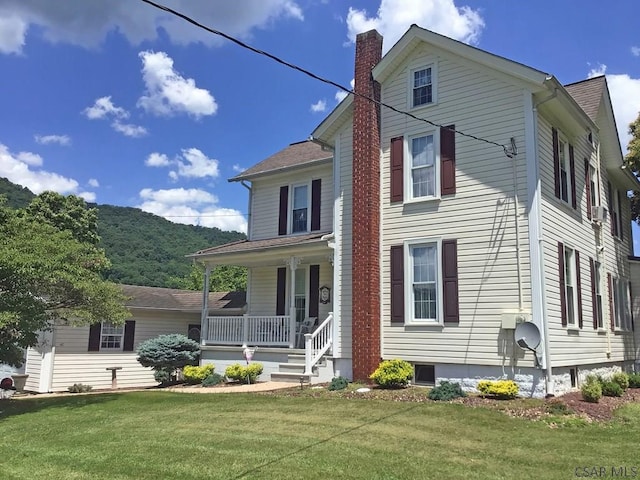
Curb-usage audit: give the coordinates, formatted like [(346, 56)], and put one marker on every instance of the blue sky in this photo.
[(124, 105)]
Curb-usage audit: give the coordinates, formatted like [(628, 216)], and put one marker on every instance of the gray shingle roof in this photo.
[(183, 300), (296, 154), (588, 94)]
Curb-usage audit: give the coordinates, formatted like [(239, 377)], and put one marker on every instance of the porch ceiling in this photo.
[(271, 251)]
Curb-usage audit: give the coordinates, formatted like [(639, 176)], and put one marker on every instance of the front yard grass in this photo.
[(161, 435)]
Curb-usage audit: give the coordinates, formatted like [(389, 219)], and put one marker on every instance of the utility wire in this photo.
[(317, 77)]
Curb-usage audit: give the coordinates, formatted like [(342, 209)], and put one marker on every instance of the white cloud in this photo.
[(394, 17), (13, 31), (191, 207), (63, 140), (17, 168), (128, 129), (191, 163), (86, 23), (238, 168), (102, 108), (319, 106), (341, 94), (157, 160), (168, 93), (625, 97), (87, 196), (635, 51), (93, 183)]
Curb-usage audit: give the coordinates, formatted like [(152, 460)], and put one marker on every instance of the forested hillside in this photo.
[(144, 249)]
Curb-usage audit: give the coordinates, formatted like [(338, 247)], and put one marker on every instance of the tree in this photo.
[(632, 160), (223, 278), (50, 270)]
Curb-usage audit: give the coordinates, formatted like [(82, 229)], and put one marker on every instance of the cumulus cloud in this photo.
[(341, 94), (190, 163), (87, 196), (63, 140), (103, 107), (86, 23), (192, 207), (128, 129), (394, 17), (635, 51), (237, 168), (168, 93), (319, 106), (625, 97), (18, 168), (93, 183)]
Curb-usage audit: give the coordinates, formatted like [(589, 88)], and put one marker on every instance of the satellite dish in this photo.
[(527, 336)]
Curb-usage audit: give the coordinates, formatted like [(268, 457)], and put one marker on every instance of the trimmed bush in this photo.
[(338, 383), (194, 375), (212, 380), (611, 389), (79, 388), (446, 391), (504, 389), (167, 353), (621, 379), (591, 391), (634, 380), (240, 373), (393, 374)]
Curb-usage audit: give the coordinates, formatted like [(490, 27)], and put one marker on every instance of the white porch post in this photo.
[(204, 321), (293, 263)]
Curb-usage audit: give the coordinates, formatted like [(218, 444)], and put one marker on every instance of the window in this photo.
[(565, 177), (615, 203), (193, 332), (564, 169), (621, 304), (570, 285), (111, 336), (593, 186), (598, 321), (299, 216), (424, 374), (424, 289), (300, 294), (423, 167), (422, 91)]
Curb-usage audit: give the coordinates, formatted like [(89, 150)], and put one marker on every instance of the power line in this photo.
[(317, 77)]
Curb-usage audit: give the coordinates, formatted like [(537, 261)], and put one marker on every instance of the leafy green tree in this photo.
[(47, 274), (632, 160), (223, 278)]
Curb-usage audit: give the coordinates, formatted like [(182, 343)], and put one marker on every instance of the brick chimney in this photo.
[(366, 209)]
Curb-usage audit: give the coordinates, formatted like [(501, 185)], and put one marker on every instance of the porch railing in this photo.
[(318, 343), (272, 330)]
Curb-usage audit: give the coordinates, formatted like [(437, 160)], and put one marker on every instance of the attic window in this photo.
[(422, 91)]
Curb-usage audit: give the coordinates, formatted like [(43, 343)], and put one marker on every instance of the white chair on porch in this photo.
[(306, 326)]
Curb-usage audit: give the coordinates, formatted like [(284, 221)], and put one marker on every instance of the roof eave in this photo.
[(253, 176), (339, 114)]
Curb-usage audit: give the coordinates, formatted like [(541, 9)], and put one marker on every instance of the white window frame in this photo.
[(570, 285), (292, 189), (616, 207), (114, 331), (594, 186), (597, 270), (302, 272), (564, 161), (621, 304), (434, 85), (408, 167), (410, 317)]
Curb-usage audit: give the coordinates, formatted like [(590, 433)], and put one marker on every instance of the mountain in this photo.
[(144, 249)]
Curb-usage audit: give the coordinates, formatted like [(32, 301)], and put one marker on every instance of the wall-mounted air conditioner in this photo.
[(599, 213)]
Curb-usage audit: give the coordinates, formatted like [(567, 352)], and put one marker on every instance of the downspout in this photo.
[(536, 238), (248, 187)]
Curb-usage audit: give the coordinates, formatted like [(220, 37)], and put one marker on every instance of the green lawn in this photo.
[(160, 435)]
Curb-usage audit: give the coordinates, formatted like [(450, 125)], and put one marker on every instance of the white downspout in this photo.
[(204, 322)]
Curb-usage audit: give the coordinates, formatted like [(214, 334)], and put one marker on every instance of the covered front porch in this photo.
[(289, 295)]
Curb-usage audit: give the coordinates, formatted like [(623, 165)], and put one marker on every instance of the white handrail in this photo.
[(318, 343)]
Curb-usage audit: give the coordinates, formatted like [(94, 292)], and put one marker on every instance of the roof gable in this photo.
[(588, 94)]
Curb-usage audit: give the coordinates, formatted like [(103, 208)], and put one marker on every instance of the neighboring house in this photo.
[(434, 241), (69, 354)]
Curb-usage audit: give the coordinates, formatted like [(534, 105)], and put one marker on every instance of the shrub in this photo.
[(393, 374), (79, 388), (166, 353), (194, 375), (634, 380), (446, 391), (212, 379), (591, 390), (499, 388), (240, 373), (338, 383), (621, 379), (557, 407), (611, 389)]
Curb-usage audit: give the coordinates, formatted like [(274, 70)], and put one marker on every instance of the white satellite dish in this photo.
[(527, 336)]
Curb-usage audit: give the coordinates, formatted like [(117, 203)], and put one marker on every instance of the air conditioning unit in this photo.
[(599, 213)]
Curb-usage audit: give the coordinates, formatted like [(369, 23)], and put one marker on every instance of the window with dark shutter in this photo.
[(281, 291), (316, 187), (563, 287), (94, 337), (576, 254), (448, 160), (594, 299), (314, 290), (587, 186), (129, 335), (397, 169), (572, 172), (284, 207), (397, 284), (450, 281), (556, 161)]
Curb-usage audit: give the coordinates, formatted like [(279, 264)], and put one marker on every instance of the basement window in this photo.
[(424, 374)]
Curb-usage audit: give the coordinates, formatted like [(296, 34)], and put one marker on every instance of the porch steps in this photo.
[(293, 370)]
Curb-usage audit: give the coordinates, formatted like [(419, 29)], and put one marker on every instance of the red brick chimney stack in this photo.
[(366, 209)]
